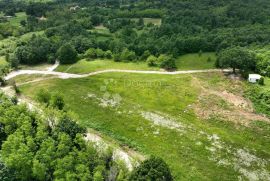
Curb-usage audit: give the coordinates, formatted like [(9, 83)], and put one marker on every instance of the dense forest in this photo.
[(187, 27)]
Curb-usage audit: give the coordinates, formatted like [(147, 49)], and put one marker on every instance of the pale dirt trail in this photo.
[(63, 75), (127, 156)]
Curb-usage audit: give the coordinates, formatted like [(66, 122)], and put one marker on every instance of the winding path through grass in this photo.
[(63, 75)]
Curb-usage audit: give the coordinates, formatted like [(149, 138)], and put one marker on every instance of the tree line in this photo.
[(187, 27), (52, 147)]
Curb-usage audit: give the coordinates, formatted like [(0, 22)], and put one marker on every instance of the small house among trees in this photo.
[(253, 78)]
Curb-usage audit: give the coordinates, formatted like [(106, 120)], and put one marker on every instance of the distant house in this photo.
[(42, 18), (74, 8), (253, 78)]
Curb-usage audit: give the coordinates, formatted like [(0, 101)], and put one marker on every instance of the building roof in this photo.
[(254, 76)]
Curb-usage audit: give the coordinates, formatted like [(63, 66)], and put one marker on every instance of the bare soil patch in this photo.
[(225, 105)]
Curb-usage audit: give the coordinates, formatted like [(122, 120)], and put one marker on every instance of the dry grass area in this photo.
[(227, 102)]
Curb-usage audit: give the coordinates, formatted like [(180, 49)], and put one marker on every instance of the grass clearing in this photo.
[(15, 20), (155, 21), (23, 79), (8, 45), (267, 84), (3, 61), (196, 62), (84, 66), (154, 114), (186, 62)]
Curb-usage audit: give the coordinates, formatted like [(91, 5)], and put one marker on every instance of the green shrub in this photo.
[(152, 61), (261, 81), (152, 169), (57, 101), (67, 54), (43, 96)]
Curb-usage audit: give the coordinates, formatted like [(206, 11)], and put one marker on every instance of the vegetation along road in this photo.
[(64, 75)]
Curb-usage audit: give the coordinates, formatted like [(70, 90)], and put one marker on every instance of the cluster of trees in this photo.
[(187, 27), (54, 100), (93, 53), (163, 61), (237, 58), (37, 50), (52, 147), (40, 49)]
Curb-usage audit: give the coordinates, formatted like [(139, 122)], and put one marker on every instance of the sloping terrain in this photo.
[(161, 115)]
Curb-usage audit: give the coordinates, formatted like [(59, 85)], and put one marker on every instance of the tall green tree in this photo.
[(67, 54), (237, 58), (152, 169)]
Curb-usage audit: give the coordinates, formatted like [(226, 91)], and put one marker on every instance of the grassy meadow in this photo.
[(155, 21), (15, 21), (186, 62), (196, 62), (156, 115), (3, 61), (84, 66)]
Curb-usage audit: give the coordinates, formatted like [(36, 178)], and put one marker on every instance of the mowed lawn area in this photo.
[(84, 66), (195, 61), (155, 114)]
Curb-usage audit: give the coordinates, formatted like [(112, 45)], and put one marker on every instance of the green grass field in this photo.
[(15, 21), (84, 66), (196, 62), (155, 21), (155, 114), (3, 61), (186, 62), (18, 18)]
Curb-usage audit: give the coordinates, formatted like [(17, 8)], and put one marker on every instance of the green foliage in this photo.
[(69, 126), (67, 54), (34, 150), (263, 63), (163, 61), (152, 169), (237, 58), (149, 91), (167, 62), (37, 50), (98, 173), (54, 100), (14, 60), (97, 53), (6, 174), (260, 99), (128, 55), (261, 81), (152, 61), (43, 96), (57, 101)]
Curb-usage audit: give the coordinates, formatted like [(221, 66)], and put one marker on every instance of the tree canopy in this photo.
[(67, 54), (237, 58)]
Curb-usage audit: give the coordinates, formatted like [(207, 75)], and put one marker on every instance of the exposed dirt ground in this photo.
[(225, 105)]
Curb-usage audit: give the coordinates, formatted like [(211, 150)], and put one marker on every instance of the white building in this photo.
[(253, 78)]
